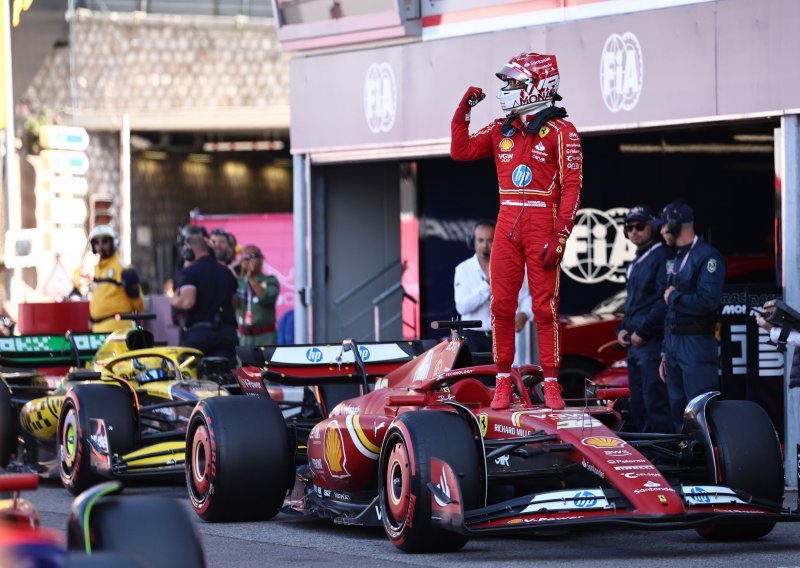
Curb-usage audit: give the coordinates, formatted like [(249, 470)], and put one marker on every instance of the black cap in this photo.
[(677, 211), (643, 213)]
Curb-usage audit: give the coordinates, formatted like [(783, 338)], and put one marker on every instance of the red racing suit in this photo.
[(539, 177)]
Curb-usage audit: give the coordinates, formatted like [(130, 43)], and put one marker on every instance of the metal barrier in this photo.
[(358, 300)]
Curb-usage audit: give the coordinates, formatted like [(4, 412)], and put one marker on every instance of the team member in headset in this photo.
[(695, 277), (642, 327), (206, 295), (471, 287), (539, 173), (115, 287)]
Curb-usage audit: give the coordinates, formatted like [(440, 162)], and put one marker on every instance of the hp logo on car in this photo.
[(700, 495), (314, 355), (364, 352), (585, 499)]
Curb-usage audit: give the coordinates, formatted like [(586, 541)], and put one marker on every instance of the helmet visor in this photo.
[(513, 71)]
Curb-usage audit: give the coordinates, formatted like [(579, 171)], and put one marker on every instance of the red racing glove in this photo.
[(554, 250), (473, 96)]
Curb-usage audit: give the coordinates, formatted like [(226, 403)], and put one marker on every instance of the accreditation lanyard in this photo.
[(635, 263), (685, 258), (248, 314)]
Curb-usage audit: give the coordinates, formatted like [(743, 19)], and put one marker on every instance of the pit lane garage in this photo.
[(726, 171)]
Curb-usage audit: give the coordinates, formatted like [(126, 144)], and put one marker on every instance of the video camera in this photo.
[(779, 313)]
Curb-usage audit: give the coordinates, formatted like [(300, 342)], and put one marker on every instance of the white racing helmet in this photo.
[(531, 83), (103, 231)]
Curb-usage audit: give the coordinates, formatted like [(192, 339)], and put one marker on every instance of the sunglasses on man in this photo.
[(102, 240), (636, 227), (251, 256)]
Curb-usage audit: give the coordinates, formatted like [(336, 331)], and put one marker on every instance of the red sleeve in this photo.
[(570, 164), (464, 147)]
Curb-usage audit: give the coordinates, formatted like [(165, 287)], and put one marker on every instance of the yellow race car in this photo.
[(123, 415)]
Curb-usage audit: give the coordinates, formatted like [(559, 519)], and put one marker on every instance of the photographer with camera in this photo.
[(206, 294), (256, 296), (781, 336)]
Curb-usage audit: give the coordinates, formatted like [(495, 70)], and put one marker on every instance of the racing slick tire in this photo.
[(238, 464), (404, 475), (8, 432), (153, 531), (81, 405), (749, 459), (575, 374)]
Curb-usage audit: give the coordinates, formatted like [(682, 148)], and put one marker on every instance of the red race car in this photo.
[(405, 438)]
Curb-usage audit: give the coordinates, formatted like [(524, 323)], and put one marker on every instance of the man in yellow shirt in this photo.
[(115, 287)]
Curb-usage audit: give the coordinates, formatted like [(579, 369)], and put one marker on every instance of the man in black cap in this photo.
[(695, 278), (642, 326), (207, 293)]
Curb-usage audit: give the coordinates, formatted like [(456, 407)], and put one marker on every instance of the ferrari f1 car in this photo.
[(424, 455), (102, 525), (124, 416)]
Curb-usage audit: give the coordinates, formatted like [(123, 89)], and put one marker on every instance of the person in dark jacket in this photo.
[(695, 277), (207, 294), (642, 326)]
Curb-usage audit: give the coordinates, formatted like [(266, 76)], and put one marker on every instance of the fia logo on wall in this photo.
[(597, 250), (621, 72), (380, 97)]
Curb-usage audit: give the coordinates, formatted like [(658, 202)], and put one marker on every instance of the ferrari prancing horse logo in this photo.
[(483, 421)]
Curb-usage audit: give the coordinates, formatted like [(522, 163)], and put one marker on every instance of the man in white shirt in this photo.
[(472, 290)]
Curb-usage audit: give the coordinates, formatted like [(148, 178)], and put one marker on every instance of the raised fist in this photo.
[(473, 96)]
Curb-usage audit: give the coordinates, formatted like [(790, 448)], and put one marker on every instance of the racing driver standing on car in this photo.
[(539, 174)]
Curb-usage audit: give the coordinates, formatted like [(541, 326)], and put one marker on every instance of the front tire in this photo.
[(81, 404), (405, 472), (238, 465), (749, 459), (154, 531)]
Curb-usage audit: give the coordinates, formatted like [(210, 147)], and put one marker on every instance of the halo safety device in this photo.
[(676, 214), (471, 234), (102, 231), (531, 80)]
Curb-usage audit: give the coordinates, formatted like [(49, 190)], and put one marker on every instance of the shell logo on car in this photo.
[(602, 442), (335, 455)]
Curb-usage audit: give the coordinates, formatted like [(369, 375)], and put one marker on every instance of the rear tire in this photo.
[(748, 459), (152, 531), (574, 374), (81, 404), (405, 471), (238, 465), (8, 430)]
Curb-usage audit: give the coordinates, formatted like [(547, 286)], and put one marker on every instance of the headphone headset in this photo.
[(186, 234), (673, 217), (471, 234)]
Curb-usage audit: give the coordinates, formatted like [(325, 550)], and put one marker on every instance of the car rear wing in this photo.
[(72, 349), (310, 364)]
